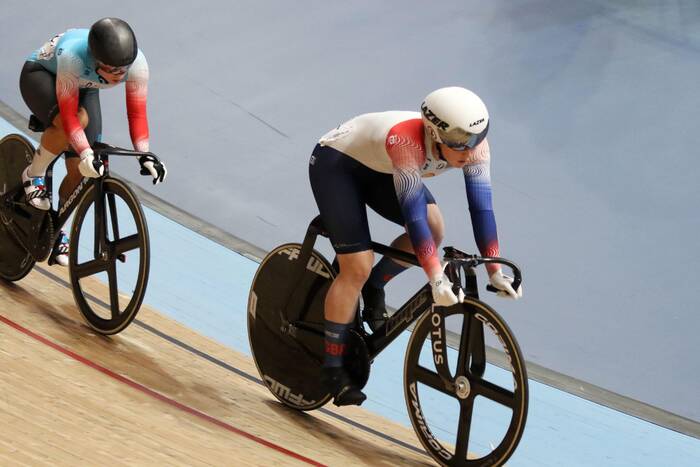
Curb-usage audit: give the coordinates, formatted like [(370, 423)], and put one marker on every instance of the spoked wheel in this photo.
[(289, 366), (109, 239), (465, 411), (16, 153)]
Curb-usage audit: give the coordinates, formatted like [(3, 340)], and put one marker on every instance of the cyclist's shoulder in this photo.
[(73, 41), (390, 117), (139, 69), (407, 124), (72, 46), (384, 124), (406, 132)]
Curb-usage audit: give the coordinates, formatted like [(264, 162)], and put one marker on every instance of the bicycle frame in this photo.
[(418, 304), (59, 217)]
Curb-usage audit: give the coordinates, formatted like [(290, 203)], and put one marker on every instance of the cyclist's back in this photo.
[(369, 137), (69, 52)]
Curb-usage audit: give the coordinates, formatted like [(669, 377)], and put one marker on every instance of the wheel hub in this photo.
[(462, 387)]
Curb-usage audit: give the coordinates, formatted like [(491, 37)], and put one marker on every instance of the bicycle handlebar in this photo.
[(106, 149), (454, 255)]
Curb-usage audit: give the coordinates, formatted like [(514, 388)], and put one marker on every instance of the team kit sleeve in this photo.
[(477, 180), (136, 94), (404, 144), (68, 69)]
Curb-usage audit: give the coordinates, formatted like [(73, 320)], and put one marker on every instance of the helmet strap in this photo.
[(439, 150)]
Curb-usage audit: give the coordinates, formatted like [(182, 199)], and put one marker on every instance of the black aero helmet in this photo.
[(112, 42)]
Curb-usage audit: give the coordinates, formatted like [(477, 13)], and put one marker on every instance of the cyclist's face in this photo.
[(457, 159), (112, 74)]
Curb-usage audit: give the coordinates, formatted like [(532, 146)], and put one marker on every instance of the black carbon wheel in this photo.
[(15, 154), (125, 236), (486, 402), (289, 366)]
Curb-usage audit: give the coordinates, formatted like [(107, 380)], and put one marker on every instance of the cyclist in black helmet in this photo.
[(60, 84)]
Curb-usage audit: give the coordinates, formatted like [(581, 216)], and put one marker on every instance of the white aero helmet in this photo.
[(455, 117)]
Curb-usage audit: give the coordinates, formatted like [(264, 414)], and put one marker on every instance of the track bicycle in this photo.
[(286, 333), (107, 213)]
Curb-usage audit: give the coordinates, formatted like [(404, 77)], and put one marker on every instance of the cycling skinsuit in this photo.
[(61, 75), (379, 160)]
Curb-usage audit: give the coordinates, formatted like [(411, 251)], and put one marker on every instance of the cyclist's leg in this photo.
[(339, 199), (90, 115), (73, 176), (382, 199), (38, 88)]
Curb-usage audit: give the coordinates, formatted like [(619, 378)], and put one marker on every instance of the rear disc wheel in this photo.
[(290, 366), (16, 154)]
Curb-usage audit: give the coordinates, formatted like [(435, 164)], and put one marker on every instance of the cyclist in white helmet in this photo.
[(378, 160)]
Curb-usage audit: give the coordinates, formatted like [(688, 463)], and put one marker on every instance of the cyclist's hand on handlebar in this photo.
[(503, 284), (153, 167), (442, 291), (89, 166)]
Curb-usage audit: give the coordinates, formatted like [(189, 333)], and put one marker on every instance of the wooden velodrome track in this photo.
[(156, 394)]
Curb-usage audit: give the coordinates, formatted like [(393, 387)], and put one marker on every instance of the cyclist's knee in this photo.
[(83, 117), (438, 236), (57, 123), (54, 138), (356, 267)]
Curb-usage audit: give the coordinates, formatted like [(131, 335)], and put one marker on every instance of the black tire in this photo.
[(16, 153), (289, 366), (465, 384), (118, 319)]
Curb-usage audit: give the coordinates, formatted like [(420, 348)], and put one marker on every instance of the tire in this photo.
[(16, 153), (465, 384), (118, 318), (289, 366)]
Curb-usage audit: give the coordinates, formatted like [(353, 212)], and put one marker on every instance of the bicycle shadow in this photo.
[(128, 353), (341, 439), (116, 353)]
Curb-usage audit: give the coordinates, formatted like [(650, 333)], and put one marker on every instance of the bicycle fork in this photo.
[(102, 249)]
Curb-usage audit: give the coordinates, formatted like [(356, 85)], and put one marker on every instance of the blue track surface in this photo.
[(205, 286)]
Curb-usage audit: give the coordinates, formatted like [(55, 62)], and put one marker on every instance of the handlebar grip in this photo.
[(517, 280), (98, 166)]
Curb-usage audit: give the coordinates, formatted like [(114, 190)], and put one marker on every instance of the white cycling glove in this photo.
[(87, 165), (442, 291), (504, 284)]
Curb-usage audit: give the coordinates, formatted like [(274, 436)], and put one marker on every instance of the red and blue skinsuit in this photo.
[(395, 142)]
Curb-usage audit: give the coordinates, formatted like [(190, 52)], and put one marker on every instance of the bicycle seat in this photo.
[(35, 124), (317, 225)]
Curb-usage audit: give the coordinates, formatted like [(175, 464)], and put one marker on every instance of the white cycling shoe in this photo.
[(35, 191), (59, 255)]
